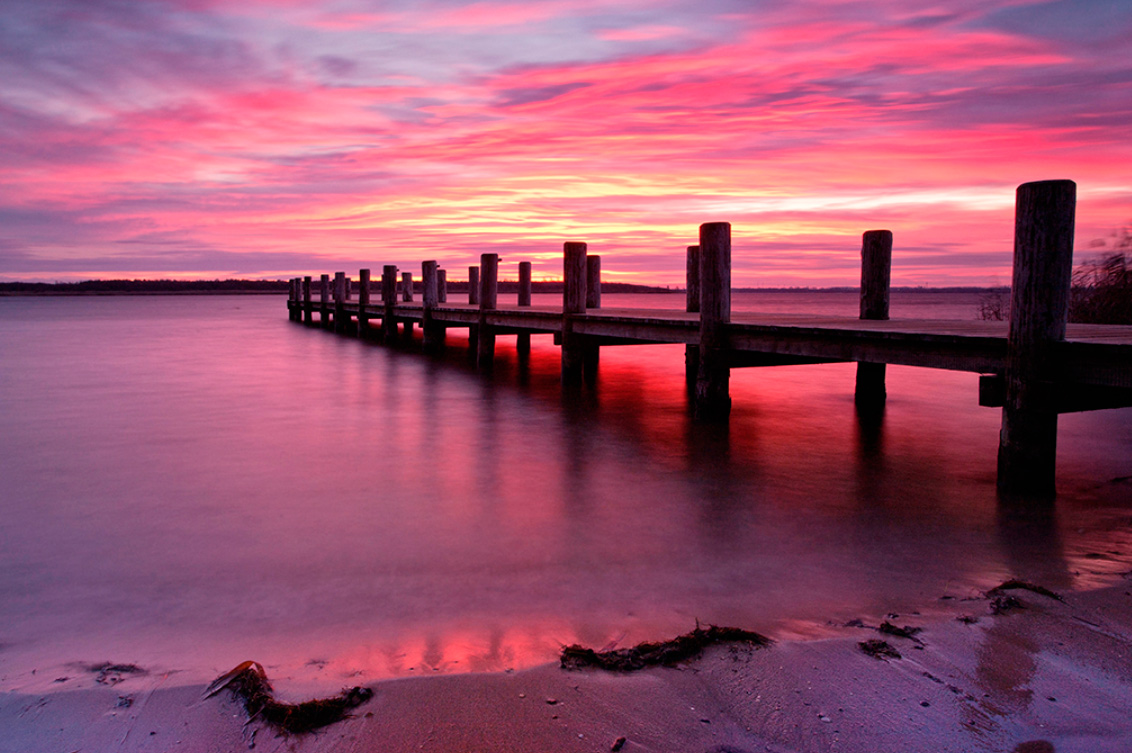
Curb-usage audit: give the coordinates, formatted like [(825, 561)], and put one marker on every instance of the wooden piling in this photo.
[(876, 274), (293, 299), (524, 283), (573, 303), (308, 314), (1039, 307), (473, 286), (442, 285), (389, 299), (489, 291), (713, 398), (692, 306), (363, 301), (430, 295), (407, 287), (593, 281), (339, 302), (324, 301)]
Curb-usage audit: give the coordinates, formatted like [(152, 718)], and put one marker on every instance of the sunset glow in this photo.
[(273, 138)]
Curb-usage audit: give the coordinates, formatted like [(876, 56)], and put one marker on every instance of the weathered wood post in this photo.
[(324, 301), (876, 273), (363, 301), (389, 298), (713, 398), (442, 286), (1039, 309), (489, 291), (573, 304), (293, 299), (407, 287), (339, 302), (523, 339), (430, 295), (592, 355), (692, 306), (473, 286), (308, 314)]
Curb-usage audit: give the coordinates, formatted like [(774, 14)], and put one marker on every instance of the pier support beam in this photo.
[(876, 275), (389, 299), (1039, 307), (489, 291), (433, 332), (339, 302), (308, 314), (713, 398), (523, 339), (573, 303), (692, 304), (363, 301), (324, 301)]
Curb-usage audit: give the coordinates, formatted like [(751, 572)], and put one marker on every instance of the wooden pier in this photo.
[(1034, 368)]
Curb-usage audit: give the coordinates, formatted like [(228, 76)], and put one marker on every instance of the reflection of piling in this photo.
[(876, 273), (430, 295), (712, 399), (389, 299), (573, 303), (692, 304), (308, 313), (523, 339), (489, 290), (363, 301), (1039, 306)]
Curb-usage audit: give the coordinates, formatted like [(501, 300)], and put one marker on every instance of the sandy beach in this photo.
[(1040, 675)]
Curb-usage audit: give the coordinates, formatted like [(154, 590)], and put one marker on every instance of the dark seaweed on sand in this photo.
[(1022, 585), (666, 653), (879, 649), (907, 631), (248, 682)]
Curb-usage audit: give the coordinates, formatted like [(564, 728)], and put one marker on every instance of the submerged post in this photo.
[(713, 398), (692, 306), (324, 301), (1039, 309), (573, 303), (430, 295), (876, 274), (339, 302), (389, 299), (308, 315), (489, 291), (442, 286), (363, 301)]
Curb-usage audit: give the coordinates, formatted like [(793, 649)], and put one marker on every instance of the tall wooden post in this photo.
[(430, 295), (308, 314), (713, 398), (473, 286), (293, 299), (593, 281), (692, 306), (339, 302), (324, 301), (573, 304), (407, 287), (523, 339), (1039, 308), (876, 273), (489, 291), (442, 286), (363, 302), (389, 300)]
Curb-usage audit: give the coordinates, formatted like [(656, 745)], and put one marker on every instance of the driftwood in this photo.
[(666, 653)]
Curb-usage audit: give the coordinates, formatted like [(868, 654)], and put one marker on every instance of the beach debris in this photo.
[(879, 649), (666, 653), (125, 701), (112, 674), (1004, 604), (248, 682), (907, 631), (967, 619), (618, 744), (1011, 585)]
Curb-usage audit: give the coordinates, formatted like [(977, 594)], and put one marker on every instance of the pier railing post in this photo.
[(573, 304), (442, 286), (389, 299), (339, 302), (308, 315), (324, 301), (430, 295), (692, 306), (523, 339), (489, 292), (713, 398), (363, 302), (1039, 307), (876, 275)]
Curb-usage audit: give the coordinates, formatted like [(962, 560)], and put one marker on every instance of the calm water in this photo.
[(189, 482)]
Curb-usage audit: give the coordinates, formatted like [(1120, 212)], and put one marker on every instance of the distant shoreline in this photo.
[(280, 287)]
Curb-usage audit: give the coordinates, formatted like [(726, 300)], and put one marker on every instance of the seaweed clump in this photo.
[(879, 649), (665, 653), (1013, 584), (248, 683)]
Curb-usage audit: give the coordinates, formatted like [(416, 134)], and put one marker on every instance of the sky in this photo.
[(276, 138)]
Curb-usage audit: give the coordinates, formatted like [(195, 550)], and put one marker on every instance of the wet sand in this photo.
[(1046, 675)]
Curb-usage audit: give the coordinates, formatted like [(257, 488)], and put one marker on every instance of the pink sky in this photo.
[(273, 138)]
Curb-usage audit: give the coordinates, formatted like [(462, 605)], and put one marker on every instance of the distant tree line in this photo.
[(143, 287)]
